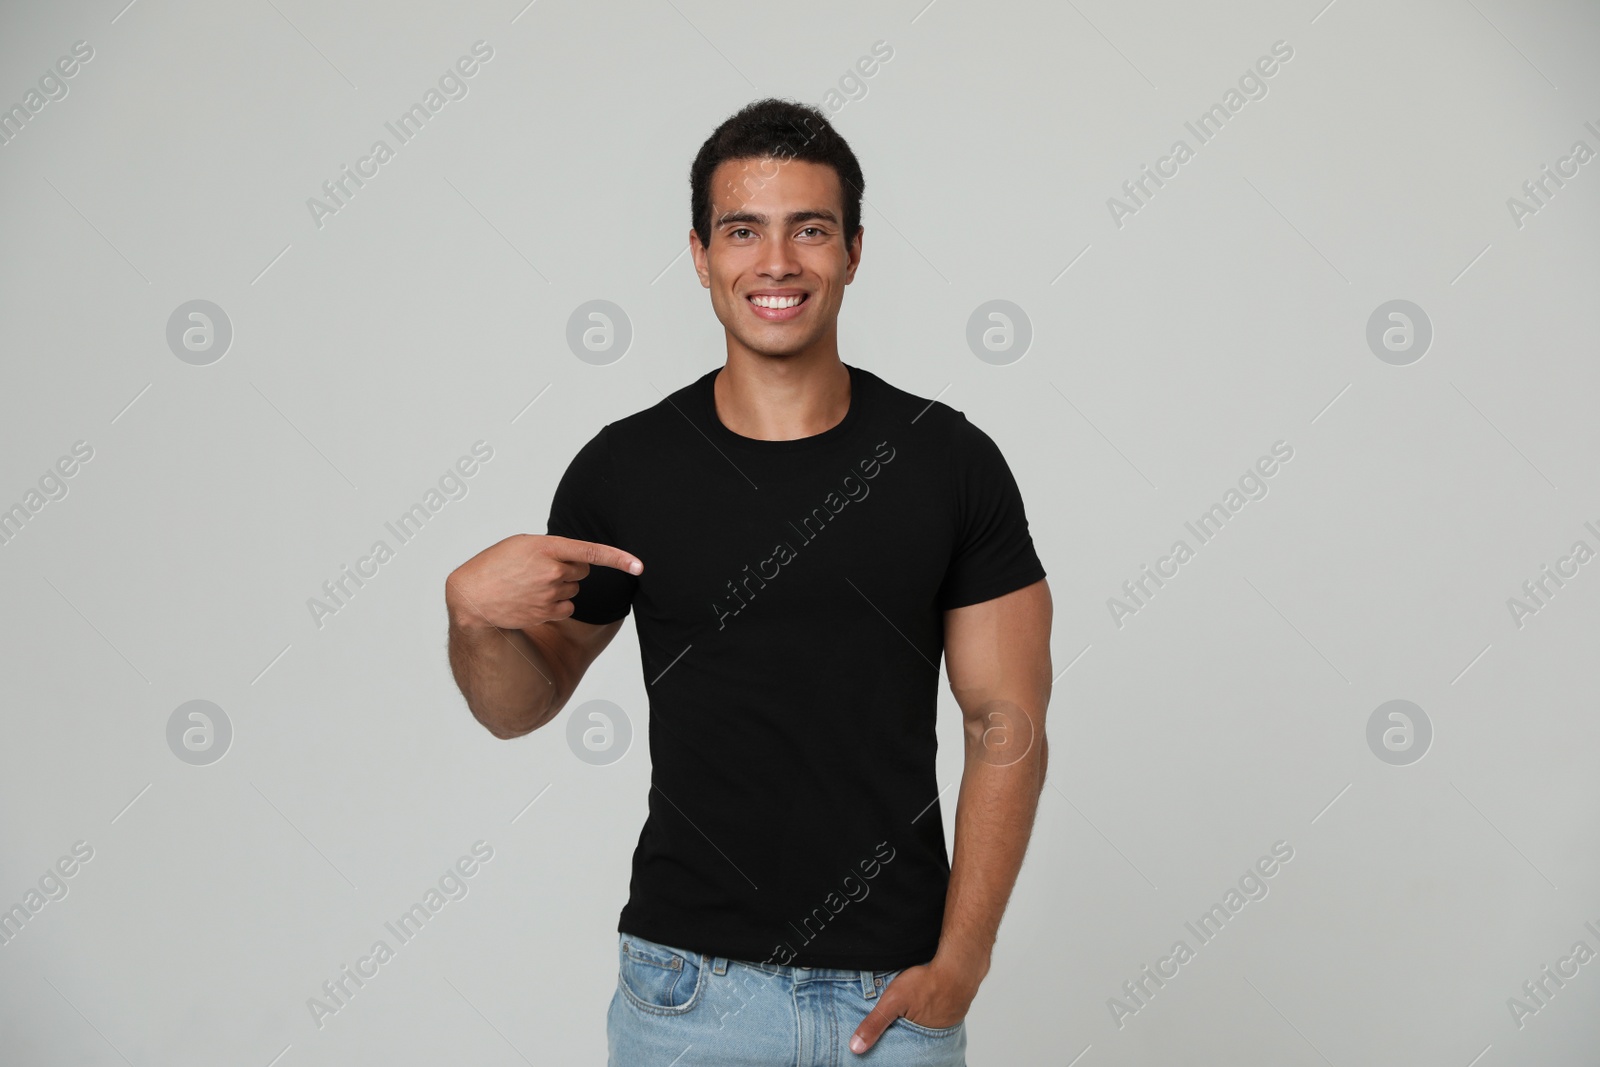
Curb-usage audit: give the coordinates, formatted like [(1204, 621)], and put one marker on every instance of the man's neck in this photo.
[(782, 398)]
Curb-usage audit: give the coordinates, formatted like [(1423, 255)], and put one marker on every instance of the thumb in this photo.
[(883, 1013), (597, 555)]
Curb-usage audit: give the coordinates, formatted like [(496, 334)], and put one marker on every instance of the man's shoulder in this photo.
[(644, 427), (928, 415)]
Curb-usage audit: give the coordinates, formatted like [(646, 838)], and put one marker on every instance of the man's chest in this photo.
[(800, 546)]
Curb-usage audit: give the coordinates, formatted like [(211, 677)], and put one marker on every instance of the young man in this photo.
[(801, 541)]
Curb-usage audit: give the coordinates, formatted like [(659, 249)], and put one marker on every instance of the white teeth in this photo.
[(775, 301)]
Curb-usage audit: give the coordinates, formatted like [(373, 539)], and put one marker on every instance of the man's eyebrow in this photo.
[(755, 218), (807, 216)]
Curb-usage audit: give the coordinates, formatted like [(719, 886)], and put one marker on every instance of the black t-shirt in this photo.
[(790, 626)]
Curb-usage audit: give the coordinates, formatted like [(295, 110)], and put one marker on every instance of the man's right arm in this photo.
[(516, 652)]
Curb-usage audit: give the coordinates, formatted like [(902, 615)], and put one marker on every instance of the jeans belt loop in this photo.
[(869, 988)]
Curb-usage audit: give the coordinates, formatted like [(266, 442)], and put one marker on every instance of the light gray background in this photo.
[(369, 354)]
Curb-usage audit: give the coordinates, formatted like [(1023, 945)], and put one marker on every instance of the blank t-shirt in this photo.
[(790, 629)]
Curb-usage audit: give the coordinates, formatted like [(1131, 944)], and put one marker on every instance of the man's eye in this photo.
[(740, 230), (811, 229)]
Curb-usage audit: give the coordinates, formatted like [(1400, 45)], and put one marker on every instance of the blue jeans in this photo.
[(676, 1008)]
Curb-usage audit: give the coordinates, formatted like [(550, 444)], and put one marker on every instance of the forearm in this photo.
[(505, 676), (997, 655), (994, 819)]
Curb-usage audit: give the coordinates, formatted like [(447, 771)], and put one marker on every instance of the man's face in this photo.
[(777, 237)]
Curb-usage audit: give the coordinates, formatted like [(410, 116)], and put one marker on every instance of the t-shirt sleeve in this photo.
[(583, 509), (994, 552)]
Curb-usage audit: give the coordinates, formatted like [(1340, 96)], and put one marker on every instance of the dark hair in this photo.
[(784, 130)]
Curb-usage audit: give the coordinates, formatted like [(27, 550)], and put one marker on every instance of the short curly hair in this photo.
[(782, 129)]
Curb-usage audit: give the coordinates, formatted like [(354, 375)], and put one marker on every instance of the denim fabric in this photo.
[(676, 1008)]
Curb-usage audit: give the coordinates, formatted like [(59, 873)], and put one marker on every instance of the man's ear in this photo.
[(853, 249), (702, 265)]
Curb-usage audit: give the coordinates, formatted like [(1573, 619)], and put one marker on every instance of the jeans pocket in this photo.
[(918, 1028), (658, 978), (931, 1031)]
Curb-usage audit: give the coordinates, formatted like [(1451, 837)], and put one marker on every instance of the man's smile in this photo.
[(777, 305)]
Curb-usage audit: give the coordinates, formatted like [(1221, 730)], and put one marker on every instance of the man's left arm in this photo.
[(997, 656)]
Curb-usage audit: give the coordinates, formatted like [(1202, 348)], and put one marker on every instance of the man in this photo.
[(801, 541)]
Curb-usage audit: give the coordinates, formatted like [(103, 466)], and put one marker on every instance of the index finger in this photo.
[(597, 555)]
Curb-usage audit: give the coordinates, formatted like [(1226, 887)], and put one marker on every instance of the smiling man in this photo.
[(800, 542)]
